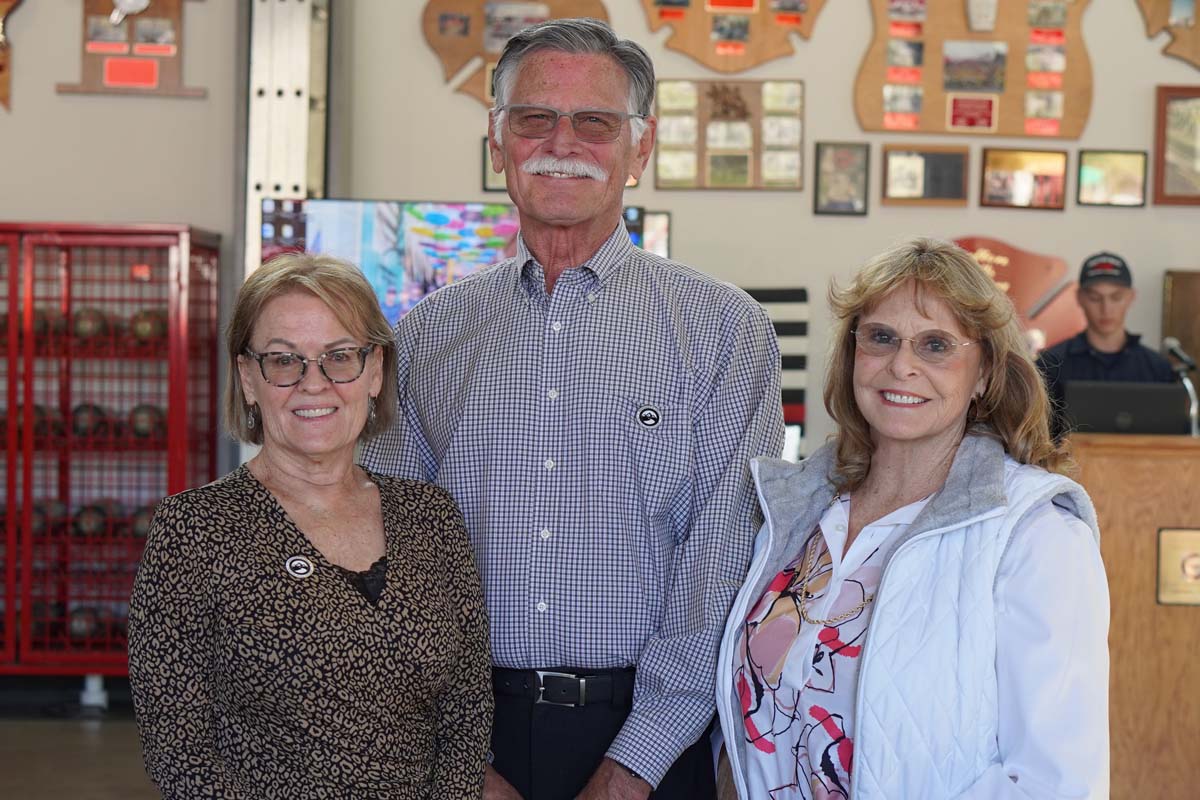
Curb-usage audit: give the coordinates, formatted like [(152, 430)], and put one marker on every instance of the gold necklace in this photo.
[(810, 565)]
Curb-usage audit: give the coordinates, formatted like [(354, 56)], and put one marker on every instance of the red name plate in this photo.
[(904, 75), (147, 49), (670, 13), (904, 30), (973, 113), (107, 48), (132, 73), (1044, 80), (789, 19), (1047, 36), (896, 121), (1042, 127), (731, 48)]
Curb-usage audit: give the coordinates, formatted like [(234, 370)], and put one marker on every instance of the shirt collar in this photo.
[(1079, 344), (602, 264)]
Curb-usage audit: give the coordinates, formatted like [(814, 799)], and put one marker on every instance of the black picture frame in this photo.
[(842, 177), (1091, 161)]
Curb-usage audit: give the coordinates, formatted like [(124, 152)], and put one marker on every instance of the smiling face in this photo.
[(546, 196), (315, 418), (906, 400)]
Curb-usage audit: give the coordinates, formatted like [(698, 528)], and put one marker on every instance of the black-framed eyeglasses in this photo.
[(590, 124), (340, 365), (932, 346)]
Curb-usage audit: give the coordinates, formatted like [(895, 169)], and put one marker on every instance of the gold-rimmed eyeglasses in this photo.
[(340, 365), (932, 346), (590, 124)]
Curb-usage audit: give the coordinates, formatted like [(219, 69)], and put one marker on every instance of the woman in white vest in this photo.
[(926, 612)]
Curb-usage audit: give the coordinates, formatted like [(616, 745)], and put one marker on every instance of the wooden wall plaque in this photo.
[(6, 7), (1184, 29), (141, 54), (927, 70), (733, 35), (1041, 287), (729, 134), (1181, 298), (461, 31)]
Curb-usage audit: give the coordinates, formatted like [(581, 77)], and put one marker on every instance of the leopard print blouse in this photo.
[(256, 677)]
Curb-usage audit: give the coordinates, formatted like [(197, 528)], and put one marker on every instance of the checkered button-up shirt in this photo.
[(597, 440)]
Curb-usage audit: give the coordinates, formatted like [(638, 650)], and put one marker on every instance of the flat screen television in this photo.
[(410, 249)]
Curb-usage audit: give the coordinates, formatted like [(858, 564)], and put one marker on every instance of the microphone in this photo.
[(1172, 346)]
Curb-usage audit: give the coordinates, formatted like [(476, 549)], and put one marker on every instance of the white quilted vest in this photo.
[(926, 725)]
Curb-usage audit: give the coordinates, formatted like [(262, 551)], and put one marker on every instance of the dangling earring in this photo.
[(250, 420), (371, 409)]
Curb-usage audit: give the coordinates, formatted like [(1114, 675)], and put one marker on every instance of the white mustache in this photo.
[(542, 165)]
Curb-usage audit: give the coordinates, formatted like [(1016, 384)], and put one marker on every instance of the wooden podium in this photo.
[(1140, 484)]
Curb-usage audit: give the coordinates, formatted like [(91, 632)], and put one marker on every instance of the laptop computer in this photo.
[(1122, 407)]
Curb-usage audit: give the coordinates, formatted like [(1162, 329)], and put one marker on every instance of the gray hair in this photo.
[(582, 36)]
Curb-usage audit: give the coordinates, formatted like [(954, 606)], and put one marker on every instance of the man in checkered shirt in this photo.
[(593, 409)]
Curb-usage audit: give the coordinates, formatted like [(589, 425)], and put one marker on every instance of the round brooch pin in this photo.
[(298, 567)]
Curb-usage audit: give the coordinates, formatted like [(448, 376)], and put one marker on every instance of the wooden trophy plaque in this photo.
[(6, 7), (1040, 286), (976, 66), (733, 35), (1181, 21), (463, 31), (138, 53)]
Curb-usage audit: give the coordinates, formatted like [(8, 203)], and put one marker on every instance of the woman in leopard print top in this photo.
[(302, 628)]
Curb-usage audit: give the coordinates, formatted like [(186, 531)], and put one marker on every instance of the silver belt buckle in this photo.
[(541, 693)]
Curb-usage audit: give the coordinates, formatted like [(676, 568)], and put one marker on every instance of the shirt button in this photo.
[(556, 326), (552, 394), (549, 463), (541, 607), (545, 533), (840, 528), (591, 298)]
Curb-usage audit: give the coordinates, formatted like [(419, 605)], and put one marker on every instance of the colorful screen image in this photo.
[(406, 250), (410, 249)]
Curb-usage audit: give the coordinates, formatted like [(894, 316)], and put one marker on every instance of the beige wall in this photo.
[(110, 158), (399, 132), (403, 134)]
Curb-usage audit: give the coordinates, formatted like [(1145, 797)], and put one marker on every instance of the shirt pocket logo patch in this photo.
[(649, 417)]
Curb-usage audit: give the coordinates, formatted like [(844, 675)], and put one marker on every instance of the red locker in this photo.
[(111, 352)]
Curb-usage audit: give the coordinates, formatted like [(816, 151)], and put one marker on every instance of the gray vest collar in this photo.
[(795, 495)]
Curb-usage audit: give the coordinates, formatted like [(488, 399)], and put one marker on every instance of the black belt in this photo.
[(562, 687)]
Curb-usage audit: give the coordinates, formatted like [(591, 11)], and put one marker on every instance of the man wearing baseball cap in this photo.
[(1104, 351)]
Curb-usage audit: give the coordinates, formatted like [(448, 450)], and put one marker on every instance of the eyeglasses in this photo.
[(341, 365), (590, 124), (933, 347)]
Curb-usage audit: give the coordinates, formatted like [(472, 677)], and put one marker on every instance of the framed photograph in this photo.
[(842, 172), (1111, 178), (492, 181), (925, 175), (1177, 146), (974, 66), (1024, 178)]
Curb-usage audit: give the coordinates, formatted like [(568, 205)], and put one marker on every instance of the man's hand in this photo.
[(611, 781), (496, 788)]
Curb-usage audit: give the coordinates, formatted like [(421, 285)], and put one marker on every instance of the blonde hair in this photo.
[(344, 289), (1014, 407)]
